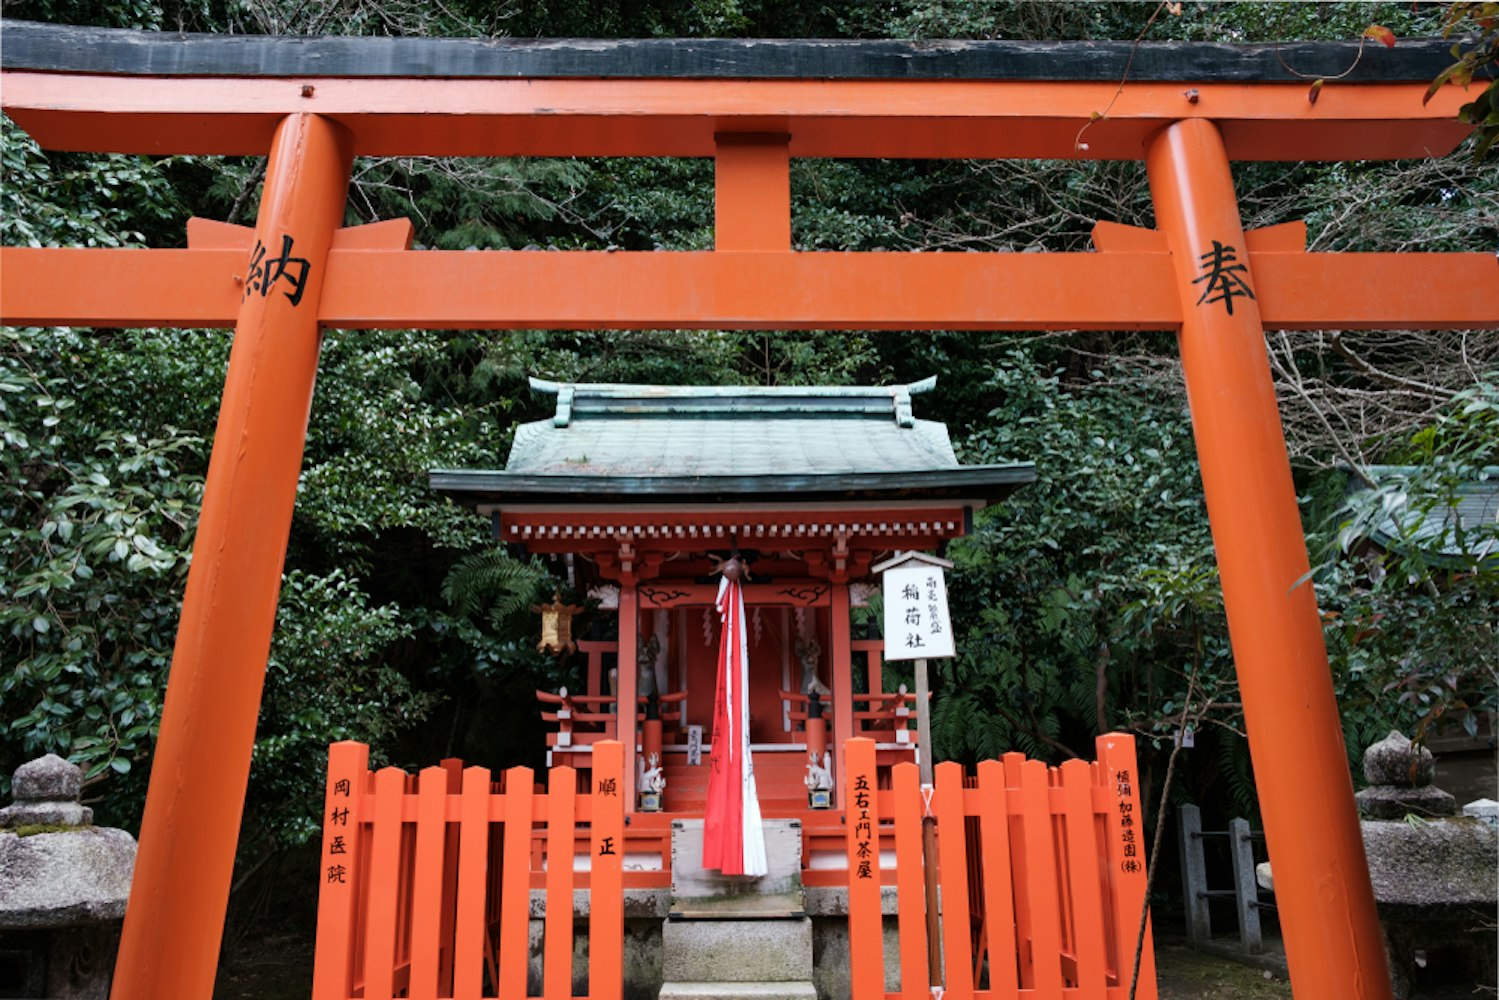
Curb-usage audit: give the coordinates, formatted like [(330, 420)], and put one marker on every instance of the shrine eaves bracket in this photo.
[(313, 104)]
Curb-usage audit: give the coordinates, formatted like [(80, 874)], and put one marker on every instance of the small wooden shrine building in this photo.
[(646, 489), (1018, 880)]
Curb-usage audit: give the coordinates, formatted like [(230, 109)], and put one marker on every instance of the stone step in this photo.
[(737, 951), (803, 990)]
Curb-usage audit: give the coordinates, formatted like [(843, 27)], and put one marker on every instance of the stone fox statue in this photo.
[(647, 666), (653, 780), (819, 775), (809, 652)]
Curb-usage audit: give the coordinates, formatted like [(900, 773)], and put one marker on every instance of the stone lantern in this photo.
[(63, 886), (1432, 870)]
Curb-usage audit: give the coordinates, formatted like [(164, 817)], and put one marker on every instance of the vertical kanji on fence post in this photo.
[(606, 897), (1125, 854), (332, 970), (866, 947)]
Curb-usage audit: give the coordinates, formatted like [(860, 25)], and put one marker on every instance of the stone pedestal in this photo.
[(729, 959)]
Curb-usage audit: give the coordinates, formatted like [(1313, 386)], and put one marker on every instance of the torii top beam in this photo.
[(153, 92), (752, 105)]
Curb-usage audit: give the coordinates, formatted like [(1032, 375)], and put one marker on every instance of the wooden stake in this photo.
[(928, 824)]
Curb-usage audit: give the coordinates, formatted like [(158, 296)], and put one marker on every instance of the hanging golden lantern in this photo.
[(556, 626)]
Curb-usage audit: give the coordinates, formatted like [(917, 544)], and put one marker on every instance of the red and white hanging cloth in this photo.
[(733, 839)]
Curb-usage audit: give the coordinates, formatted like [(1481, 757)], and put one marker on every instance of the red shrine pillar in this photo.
[(627, 688), (841, 658), (1332, 937), (175, 918)]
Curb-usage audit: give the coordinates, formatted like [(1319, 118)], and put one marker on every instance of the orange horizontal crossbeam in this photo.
[(726, 290), (901, 118)]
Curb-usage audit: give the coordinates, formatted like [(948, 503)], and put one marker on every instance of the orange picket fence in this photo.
[(1041, 873), (426, 880)]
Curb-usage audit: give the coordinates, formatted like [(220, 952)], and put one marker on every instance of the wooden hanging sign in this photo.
[(917, 625)]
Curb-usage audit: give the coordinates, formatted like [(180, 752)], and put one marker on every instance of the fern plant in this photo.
[(494, 586)]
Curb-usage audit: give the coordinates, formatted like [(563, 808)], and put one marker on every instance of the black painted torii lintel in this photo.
[(68, 49)]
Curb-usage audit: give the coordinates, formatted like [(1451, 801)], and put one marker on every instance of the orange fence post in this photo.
[(952, 854), (606, 896), (999, 907), (1044, 904), (1082, 864), (384, 873), (332, 971), (866, 946), (427, 940), (453, 767), (406, 859), (557, 960), (515, 880), (473, 858), (1326, 905), (911, 901), (1124, 852), (1025, 951), (169, 946)]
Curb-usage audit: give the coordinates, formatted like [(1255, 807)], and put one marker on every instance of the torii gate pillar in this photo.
[(1332, 936), (170, 943)]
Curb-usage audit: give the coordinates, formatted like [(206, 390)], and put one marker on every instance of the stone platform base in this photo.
[(738, 991), (728, 938), (736, 951), (646, 924)]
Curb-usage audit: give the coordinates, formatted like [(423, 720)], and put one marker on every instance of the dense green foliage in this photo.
[(1086, 602), (1412, 628), (1476, 26)]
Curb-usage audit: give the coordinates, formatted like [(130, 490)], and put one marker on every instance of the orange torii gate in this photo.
[(314, 104)]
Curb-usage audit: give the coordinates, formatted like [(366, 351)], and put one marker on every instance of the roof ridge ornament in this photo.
[(904, 417), (628, 398)]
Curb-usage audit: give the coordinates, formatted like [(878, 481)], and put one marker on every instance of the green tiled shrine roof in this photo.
[(638, 430), (731, 442), (1434, 526)]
